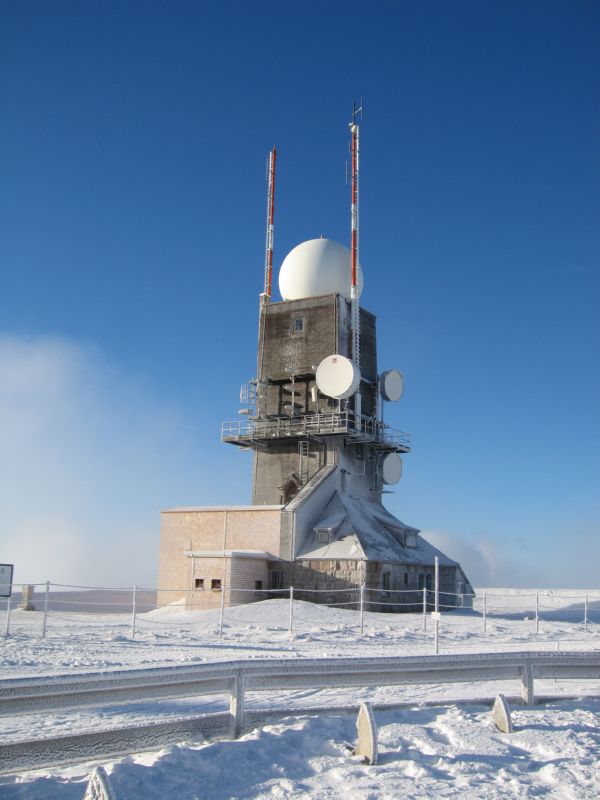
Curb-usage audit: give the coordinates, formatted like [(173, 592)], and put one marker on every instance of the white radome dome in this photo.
[(317, 267)]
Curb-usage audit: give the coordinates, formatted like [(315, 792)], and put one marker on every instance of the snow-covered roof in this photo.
[(364, 529), (220, 508)]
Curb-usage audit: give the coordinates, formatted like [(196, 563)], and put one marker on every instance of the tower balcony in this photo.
[(364, 430)]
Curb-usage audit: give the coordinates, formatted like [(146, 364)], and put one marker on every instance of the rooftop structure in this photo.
[(322, 453)]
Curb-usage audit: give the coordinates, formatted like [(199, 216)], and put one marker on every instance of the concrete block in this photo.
[(367, 734), (99, 787), (27, 598), (501, 714)]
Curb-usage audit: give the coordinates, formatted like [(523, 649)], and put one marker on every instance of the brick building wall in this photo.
[(210, 533)]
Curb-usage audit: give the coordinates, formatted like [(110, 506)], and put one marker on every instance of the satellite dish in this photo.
[(338, 377), (391, 468), (391, 385)]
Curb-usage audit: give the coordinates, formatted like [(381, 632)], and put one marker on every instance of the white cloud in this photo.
[(87, 459), (567, 558)]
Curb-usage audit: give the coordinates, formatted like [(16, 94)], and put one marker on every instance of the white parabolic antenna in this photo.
[(315, 268), (337, 377), (391, 468), (391, 385)]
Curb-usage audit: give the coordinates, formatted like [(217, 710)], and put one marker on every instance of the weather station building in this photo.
[(322, 455)]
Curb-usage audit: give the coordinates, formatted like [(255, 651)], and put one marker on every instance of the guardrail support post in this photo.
[(527, 685), (585, 612), (45, 617), (424, 609), (133, 599), (7, 626), (291, 625), (236, 705)]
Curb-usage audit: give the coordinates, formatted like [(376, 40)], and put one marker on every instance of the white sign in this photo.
[(6, 576), (436, 615)]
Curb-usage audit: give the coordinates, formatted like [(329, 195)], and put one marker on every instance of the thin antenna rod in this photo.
[(355, 308), (270, 226)]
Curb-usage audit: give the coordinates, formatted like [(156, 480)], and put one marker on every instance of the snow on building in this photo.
[(322, 456)]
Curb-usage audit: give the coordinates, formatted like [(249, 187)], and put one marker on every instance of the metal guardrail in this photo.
[(29, 695), (363, 429)]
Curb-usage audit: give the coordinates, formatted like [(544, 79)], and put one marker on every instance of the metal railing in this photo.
[(79, 610), (36, 695), (363, 429)]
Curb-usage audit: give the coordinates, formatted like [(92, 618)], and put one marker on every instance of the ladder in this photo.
[(303, 456)]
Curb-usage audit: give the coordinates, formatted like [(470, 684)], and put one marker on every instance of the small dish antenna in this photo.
[(391, 469), (391, 385)]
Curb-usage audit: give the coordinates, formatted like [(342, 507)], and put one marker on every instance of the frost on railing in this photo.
[(363, 429)]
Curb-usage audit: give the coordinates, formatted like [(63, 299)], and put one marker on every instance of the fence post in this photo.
[(585, 612), (424, 609), (362, 607), (484, 613), (7, 627), (436, 620), (222, 611), (537, 612), (291, 626), (133, 609), (45, 617)]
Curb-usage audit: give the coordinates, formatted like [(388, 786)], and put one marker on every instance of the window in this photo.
[(428, 583), (216, 584), (199, 583), (298, 325), (386, 581), (323, 536), (275, 579), (406, 578), (359, 451), (421, 581), (258, 586)]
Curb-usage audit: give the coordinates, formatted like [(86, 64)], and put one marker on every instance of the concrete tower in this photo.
[(322, 455)]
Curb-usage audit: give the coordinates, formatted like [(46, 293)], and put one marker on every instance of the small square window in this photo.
[(298, 325), (215, 583), (199, 583)]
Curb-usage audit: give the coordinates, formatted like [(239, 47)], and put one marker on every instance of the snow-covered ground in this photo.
[(448, 750)]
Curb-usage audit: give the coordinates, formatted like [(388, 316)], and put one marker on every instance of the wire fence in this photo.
[(36, 610)]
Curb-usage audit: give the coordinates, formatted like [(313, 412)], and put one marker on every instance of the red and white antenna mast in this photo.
[(354, 304), (270, 226)]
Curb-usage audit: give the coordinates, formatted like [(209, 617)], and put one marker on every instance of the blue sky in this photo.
[(132, 207)]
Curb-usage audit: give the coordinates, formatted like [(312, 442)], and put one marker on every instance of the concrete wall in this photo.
[(243, 574), (324, 580), (274, 464), (283, 352), (214, 530)]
